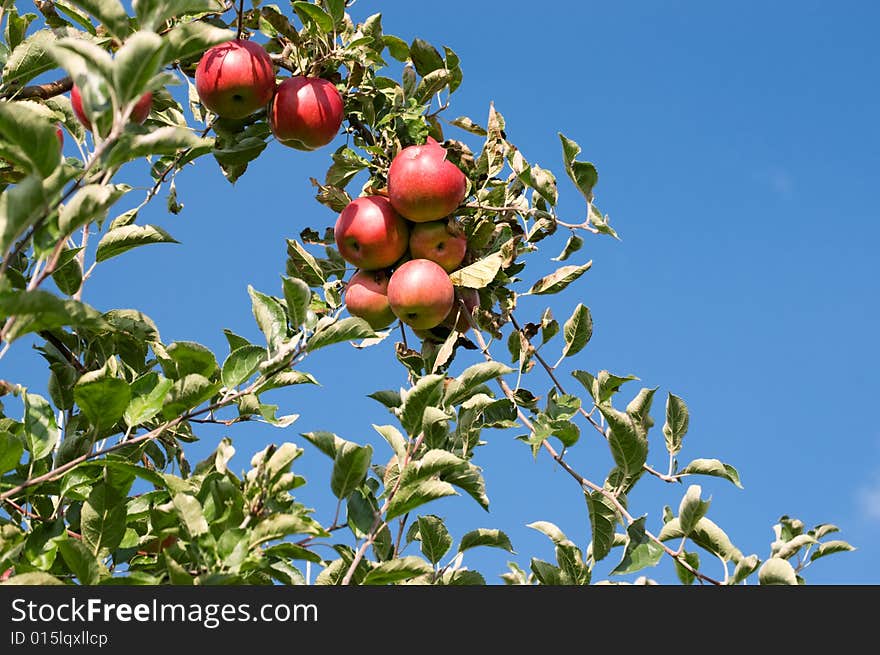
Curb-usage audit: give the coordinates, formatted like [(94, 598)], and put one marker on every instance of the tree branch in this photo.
[(582, 481), (40, 91)]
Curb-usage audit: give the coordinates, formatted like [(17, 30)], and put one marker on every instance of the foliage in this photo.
[(95, 484)]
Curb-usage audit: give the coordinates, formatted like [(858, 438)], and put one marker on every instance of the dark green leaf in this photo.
[(425, 57), (80, 561), (313, 15), (241, 364), (425, 393), (350, 467), (102, 519), (433, 537), (603, 517), (641, 551), (578, 330), (102, 399), (11, 450), (188, 393)]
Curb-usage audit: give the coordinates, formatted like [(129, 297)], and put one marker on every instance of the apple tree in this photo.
[(437, 221)]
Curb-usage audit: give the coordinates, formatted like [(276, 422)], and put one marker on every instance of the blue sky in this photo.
[(738, 151)]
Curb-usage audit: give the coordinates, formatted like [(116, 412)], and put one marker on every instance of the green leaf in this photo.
[(270, 316), (397, 570), (641, 551), (191, 514), (350, 467), (424, 394), (479, 274), (147, 397), (558, 280), (706, 535), (278, 526), (191, 39), (188, 393), (102, 519), (425, 57), (302, 264), (712, 467), (11, 450), (68, 274), (409, 497), (30, 58), (110, 13), (25, 127), (790, 548), (137, 61), (392, 435), (571, 563), (551, 530), (432, 83), (189, 357), (241, 364), (691, 509), (628, 444), (122, 239), (684, 574), (744, 568), (314, 15), (469, 479), (485, 537), (546, 573), (468, 125), (80, 560), (152, 14), (40, 429), (433, 537), (831, 547), (777, 571), (83, 60), (167, 140), (327, 442), (102, 399), (346, 329), (676, 426), (462, 387), (39, 310), (583, 174), (578, 330), (90, 203), (33, 578), (603, 386), (297, 295), (574, 243), (21, 206), (603, 517), (433, 463)]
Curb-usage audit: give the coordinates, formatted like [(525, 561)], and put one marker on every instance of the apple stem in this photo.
[(240, 19)]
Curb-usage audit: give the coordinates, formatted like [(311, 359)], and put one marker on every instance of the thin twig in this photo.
[(240, 30)]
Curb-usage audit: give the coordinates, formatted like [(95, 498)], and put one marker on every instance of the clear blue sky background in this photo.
[(738, 148)]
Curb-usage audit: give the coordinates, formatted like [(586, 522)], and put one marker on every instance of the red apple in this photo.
[(370, 234), (306, 112), (139, 113), (235, 79), (457, 319), (423, 185), (437, 242), (420, 294), (367, 296), (59, 133)]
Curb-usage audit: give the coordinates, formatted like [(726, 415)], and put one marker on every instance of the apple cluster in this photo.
[(405, 245)]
